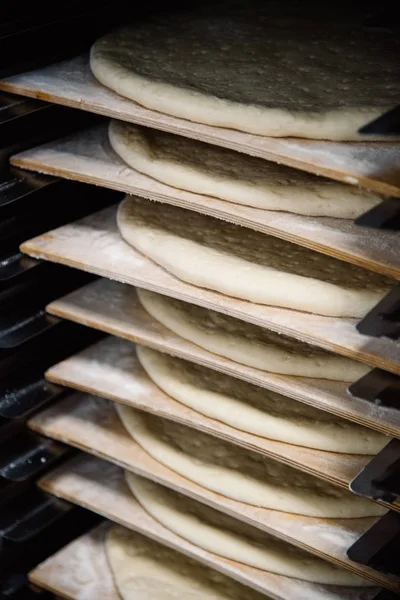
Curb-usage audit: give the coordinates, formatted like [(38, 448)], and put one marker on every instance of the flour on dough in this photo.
[(246, 343), (241, 68), (145, 570), (194, 166), (227, 537), (247, 264), (254, 409), (238, 473)]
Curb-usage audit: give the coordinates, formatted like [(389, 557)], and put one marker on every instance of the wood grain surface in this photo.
[(94, 244), (87, 156), (91, 424), (101, 487), (111, 369), (79, 571), (368, 164), (114, 308)]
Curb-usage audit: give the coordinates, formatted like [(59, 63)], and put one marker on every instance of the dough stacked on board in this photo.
[(255, 410), (227, 537), (247, 264), (145, 570), (246, 343), (240, 474), (194, 166), (164, 63), (242, 67)]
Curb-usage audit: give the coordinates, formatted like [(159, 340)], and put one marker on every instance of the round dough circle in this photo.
[(247, 264), (215, 66), (145, 570), (194, 166), (248, 344), (225, 536), (256, 410), (238, 473)]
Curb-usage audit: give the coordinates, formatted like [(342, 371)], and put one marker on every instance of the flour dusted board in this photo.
[(94, 244), (79, 571), (114, 308), (101, 487), (111, 369), (88, 157), (372, 165), (91, 424)]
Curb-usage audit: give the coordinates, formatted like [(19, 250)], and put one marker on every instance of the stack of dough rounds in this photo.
[(246, 264), (245, 68), (240, 474), (227, 537), (248, 344), (194, 166), (145, 570), (254, 409)]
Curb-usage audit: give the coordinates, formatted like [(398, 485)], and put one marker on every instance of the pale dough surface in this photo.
[(254, 409), (197, 167), (145, 570), (238, 473), (237, 67), (247, 264), (222, 535), (246, 343)]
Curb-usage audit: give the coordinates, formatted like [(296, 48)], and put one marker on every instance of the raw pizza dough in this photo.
[(191, 165), (246, 343), (145, 570), (227, 537), (237, 67), (247, 264), (238, 473), (254, 409)]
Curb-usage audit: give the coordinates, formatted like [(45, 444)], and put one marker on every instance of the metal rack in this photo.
[(33, 524)]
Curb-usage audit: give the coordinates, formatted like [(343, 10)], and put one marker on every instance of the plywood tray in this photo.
[(100, 487), (93, 244), (79, 571), (371, 165), (87, 156), (91, 424), (114, 308), (111, 369)]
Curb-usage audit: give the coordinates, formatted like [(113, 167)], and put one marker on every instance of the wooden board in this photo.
[(371, 165), (87, 156), (111, 369), (114, 308), (94, 244), (91, 424), (102, 488), (79, 571)]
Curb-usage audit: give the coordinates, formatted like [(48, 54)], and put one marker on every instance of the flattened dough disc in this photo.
[(237, 67), (238, 473), (222, 535), (254, 409), (246, 343), (191, 165), (145, 570), (247, 264)]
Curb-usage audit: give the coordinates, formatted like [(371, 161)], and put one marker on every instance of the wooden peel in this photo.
[(101, 487), (371, 165), (110, 369), (115, 308), (88, 157), (94, 244), (92, 425), (79, 571)]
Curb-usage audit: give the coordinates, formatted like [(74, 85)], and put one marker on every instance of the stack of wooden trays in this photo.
[(109, 371)]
